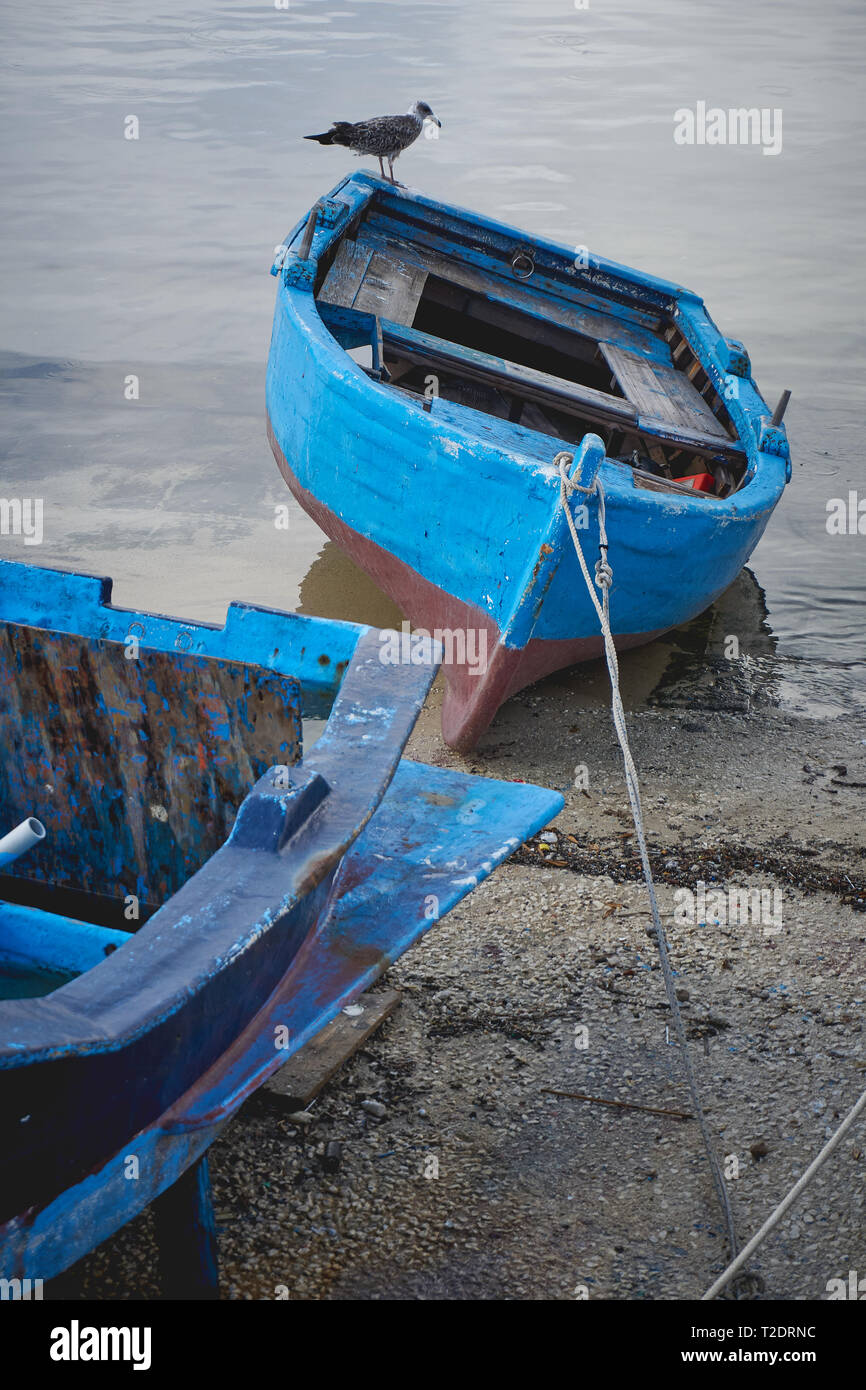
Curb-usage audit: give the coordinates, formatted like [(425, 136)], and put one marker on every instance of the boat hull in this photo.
[(457, 515), (472, 695)]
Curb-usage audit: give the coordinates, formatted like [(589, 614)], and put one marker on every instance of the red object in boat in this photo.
[(701, 482)]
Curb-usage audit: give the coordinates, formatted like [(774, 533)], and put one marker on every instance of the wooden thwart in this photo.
[(308, 1071), (484, 366), (571, 397), (347, 271), (374, 283), (391, 289), (661, 392)]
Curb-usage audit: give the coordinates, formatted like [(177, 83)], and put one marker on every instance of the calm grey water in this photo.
[(150, 257)]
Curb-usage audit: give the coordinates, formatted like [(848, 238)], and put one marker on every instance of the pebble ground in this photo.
[(468, 1179)]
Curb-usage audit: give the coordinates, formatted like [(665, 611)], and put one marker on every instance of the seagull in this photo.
[(384, 136)]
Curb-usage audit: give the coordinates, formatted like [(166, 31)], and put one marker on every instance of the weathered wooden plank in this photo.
[(692, 403), (391, 288), (694, 440), (526, 381), (661, 392), (305, 1074), (346, 274), (637, 380)]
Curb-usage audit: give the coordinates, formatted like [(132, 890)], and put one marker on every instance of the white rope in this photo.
[(775, 1217), (603, 579)]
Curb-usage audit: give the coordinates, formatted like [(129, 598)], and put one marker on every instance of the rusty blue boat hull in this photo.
[(142, 1044), (428, 365)]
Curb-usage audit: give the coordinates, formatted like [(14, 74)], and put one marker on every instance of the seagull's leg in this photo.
[(391, 167), (381, 167)]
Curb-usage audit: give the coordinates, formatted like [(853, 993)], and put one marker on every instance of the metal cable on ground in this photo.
[(775, 1217), (603, 578)]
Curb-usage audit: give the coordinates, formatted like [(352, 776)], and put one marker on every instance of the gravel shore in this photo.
[(470, 1179)]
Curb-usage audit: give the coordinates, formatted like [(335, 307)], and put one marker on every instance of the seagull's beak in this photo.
[(431, 126)]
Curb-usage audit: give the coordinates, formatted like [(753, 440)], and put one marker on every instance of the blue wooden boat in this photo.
[(427, 368), (164, 761)]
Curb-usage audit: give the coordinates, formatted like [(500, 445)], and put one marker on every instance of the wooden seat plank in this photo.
[(662, 392), (304, 1075), (347, 272), (697, 440), (391, 288)]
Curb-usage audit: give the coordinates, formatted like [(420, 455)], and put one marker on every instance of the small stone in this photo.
[(332, 1156), (374, 1108), (683, 995), (759, 1149), (300, 1117)]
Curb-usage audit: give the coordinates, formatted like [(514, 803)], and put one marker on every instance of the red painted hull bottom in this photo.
[(471, 701)]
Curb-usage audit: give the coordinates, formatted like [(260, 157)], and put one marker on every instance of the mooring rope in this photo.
[(775, 1216), (603, 579)]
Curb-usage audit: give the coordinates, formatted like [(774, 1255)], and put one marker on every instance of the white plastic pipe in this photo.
[(19, 840)]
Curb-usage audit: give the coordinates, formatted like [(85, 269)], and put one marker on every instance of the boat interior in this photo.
[(444, 311), (135, 764)]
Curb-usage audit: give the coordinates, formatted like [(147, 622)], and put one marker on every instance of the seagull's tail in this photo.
[(339, 134)]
